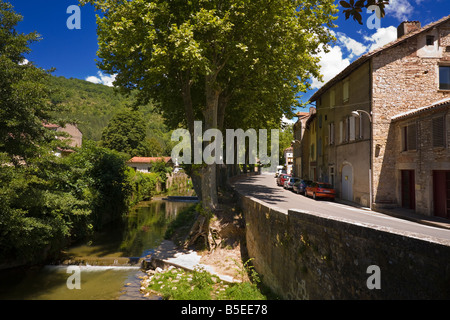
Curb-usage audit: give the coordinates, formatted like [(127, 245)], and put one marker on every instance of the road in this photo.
[(264, 188)]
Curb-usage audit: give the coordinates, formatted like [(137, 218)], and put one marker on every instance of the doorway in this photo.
[(347, 182), (441, 193), (408, 189)]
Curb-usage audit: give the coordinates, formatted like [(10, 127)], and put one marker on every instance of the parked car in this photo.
[(300, 186), (320, 190), (282, 178), (289, 183), (280, 172)]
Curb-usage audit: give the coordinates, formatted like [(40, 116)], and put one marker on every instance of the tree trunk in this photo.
[(208, 172), (210, 114)]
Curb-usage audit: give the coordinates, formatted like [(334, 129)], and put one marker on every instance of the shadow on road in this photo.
[(251, 187)]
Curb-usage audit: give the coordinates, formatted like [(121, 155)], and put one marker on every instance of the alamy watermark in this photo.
[(235, 146), (374, 21), (74, 21), (374, 281), (74, 280)]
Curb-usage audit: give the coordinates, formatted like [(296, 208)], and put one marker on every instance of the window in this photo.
[(319, 147), (409, 137), (444, 77), (346, 90), (351, 128), (438, 126), (331, 171), (361, 129), (332, 98), (331, 132), (430, 40), (341, 131)]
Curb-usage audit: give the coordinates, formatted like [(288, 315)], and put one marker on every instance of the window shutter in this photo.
[(438, 132), (412, 137), (352, 127), (331, 132)]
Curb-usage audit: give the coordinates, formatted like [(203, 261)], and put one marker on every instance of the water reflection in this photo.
[(103, 259)]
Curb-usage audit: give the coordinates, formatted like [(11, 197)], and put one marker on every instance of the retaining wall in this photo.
[(303, 255)]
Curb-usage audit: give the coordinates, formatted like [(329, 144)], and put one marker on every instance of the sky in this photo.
[(72, 51)]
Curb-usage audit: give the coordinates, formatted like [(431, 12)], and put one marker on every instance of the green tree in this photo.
[(24, 104), (203, 60), (188, 55), (126, 132)]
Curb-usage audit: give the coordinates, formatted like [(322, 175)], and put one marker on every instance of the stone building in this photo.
[(73, 138), (303, 129), (358, 113), (422, 150), (144, 164)]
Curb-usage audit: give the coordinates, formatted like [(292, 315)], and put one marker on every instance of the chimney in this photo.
[(406, 27)]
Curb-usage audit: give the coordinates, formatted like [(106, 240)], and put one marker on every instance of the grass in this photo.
[(179, 284)]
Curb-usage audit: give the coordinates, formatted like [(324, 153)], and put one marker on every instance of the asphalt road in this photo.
[(264, 188)]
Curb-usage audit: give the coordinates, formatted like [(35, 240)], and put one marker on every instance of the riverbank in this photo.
[(228, 271)]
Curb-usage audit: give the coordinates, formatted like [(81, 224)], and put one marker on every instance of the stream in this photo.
[(107, 264)]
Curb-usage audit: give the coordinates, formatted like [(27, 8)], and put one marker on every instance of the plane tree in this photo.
[(214, 61)]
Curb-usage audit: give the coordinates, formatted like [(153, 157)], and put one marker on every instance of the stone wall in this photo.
[(301, 255), (404, 77), (424, 159)]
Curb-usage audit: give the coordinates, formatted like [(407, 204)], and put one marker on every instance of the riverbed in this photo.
[(107, 265)]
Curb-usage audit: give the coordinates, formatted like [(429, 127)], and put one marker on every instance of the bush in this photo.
[(178, 284), (143, 185)]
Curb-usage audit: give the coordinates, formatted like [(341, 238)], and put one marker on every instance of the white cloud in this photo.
[(381, 37), (287, 121), (400, 9), (331, 63), (24, 62), (103, 79), (347, 49), (354, 47)]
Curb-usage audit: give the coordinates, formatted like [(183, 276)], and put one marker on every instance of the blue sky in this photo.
[(73, 52)]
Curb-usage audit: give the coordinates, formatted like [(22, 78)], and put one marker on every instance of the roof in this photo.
[(302, 114), (365, 57), (444, 103), (148, 159)]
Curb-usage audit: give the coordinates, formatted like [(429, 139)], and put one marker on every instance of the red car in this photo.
[(320, 190), (282, 178)]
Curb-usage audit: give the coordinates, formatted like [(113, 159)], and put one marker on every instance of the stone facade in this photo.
[(405, 77), (302, 144), (357, 141), (425, 160)]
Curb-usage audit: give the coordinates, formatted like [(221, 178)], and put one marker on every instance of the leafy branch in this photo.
[(353, 9)]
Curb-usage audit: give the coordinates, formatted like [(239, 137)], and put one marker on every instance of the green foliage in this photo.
[(23, 87), (161, 169), (93, 106), (101, 175), (143, 185), (47, 201), (177, 284), (126, 132), (40, 209)]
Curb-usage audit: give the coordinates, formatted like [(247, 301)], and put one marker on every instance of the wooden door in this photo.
[(408, 189), (441, 193)]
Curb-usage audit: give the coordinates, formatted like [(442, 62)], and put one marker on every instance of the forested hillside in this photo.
[(92, 106)]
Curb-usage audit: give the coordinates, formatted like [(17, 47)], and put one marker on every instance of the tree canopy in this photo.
[(24, 101), (214, 60)]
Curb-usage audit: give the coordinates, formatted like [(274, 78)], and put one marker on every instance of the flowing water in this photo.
[(107, 264)]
